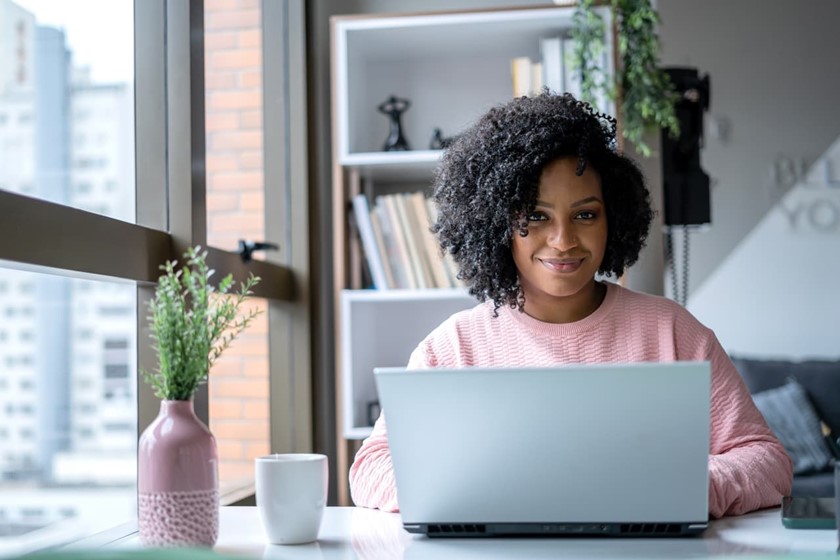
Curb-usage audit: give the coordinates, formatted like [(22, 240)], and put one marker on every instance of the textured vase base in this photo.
[(169, 519)]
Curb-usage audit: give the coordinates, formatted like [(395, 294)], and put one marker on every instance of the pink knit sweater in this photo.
[(748, 467)]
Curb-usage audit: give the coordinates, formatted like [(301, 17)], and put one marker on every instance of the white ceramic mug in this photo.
[(291, 495)]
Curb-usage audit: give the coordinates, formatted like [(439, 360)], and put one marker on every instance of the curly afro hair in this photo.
[(489, 178)]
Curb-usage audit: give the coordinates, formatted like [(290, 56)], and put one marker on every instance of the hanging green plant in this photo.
[(647, 96)]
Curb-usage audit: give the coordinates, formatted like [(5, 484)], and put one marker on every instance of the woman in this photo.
[(534, 204)]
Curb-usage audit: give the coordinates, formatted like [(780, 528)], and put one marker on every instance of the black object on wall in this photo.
[(685, 184)]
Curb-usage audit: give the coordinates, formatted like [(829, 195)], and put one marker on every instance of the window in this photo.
[(43, 452), (116, 371), (93, 282), (70, 64), (239, 392), (238, 75)]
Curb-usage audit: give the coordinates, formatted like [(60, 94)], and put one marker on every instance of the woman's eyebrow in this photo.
[(586, 200)]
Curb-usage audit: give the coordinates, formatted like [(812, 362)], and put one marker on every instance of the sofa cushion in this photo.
[(791, 416), (820, 378)]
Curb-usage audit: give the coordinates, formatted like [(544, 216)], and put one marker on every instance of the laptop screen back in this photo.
[(572, 444)]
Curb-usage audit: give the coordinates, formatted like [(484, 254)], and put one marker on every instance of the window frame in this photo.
[(42, 236)]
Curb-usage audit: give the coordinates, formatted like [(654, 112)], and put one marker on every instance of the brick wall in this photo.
[(233, 81)]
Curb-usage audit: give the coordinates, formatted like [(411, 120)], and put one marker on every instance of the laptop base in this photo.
[(646, 530)]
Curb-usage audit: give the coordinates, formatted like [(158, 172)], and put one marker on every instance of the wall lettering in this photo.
[(789, 171), (821, 215), (814, 205)]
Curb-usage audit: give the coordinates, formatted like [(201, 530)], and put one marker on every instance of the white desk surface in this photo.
[(357, 533)]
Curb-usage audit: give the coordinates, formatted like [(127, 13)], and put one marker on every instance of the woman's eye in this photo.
[(536, 217), (586, 215)]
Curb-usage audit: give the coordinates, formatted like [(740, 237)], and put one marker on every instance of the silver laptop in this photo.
[(613, 450)]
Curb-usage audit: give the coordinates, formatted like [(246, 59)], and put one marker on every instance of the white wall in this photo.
[(776, 294), (765, 284)]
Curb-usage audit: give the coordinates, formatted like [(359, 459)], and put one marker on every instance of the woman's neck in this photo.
[(566, 309)]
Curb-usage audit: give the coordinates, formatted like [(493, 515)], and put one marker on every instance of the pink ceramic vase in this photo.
[(178, 481)]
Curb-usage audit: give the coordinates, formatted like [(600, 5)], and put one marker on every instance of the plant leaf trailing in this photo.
[(648, 96), (192, 323)]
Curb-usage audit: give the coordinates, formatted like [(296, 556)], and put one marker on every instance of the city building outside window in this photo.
[(103, 186)]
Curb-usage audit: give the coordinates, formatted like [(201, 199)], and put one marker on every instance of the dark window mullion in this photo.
[(39, 233)]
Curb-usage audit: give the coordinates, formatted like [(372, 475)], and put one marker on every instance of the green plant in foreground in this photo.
[(648, 97), (192, 323)]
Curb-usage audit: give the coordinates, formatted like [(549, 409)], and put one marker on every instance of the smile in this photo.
[(562, 265)]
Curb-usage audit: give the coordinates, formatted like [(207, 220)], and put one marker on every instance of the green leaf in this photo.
[(649, 97), (192, 322)]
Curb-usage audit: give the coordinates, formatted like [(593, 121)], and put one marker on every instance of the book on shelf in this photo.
[(376, 226), (572, 80), (536, 77), (392, 252), (416, 257), (402, 256), (448, 261), (520, 69), (527, 76), (431, 249), (551, 54), (399, 247), (372, 250)]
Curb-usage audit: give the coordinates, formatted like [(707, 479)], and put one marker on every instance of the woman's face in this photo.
[(567, 236)]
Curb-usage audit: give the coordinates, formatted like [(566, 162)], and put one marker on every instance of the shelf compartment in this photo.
[(380, 328), (452, 67)]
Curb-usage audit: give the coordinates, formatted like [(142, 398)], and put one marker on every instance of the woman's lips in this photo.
[(562, 265)]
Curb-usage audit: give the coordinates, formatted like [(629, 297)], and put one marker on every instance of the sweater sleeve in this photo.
[(372, 482), (748, 468)]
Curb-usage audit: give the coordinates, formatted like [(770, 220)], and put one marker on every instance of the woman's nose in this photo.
[(562, 237)]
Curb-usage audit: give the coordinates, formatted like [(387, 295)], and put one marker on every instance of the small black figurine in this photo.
[(438, 142), (394, 107)]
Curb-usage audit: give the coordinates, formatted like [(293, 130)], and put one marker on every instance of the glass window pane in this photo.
[(67, 103), (235, 202), (68, 412)]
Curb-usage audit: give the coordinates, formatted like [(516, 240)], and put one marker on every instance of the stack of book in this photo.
[(555, 70), (399, 247)]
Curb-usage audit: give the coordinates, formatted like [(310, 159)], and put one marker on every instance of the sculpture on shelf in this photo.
[(439, 141), (394, 107)]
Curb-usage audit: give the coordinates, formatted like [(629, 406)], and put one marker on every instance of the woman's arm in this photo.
[(372, 481), (748, 468)]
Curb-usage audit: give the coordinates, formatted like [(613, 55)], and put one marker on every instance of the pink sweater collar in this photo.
[(558, 329)]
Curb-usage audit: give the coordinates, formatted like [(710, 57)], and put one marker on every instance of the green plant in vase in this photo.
[(192, 322)]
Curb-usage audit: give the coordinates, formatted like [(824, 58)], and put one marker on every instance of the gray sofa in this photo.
[(821, 381)]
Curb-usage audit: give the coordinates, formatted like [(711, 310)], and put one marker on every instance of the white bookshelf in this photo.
[(414, 165), (452, 67), (381, 328)]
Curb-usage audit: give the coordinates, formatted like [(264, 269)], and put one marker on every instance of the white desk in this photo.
[(350, 533)]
